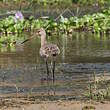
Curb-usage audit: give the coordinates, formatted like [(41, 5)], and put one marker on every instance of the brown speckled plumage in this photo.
[(48, 50)]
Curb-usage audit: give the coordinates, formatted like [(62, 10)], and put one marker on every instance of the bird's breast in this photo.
[(49, 50)]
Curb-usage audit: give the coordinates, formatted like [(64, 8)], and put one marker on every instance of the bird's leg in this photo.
[(47, 69), (53, 70), (51, 66)]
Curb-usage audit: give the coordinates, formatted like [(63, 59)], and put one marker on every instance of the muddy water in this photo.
[(82, 54)]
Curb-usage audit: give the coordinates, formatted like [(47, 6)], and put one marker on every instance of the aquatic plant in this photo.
[(8, 42), (95, 23), (18, 16)]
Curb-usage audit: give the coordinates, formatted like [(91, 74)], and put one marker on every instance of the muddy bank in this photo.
[(20, 104)]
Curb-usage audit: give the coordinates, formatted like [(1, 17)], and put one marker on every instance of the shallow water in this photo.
[(82, 54)]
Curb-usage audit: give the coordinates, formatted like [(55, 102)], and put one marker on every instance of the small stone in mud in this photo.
[(88, 107)]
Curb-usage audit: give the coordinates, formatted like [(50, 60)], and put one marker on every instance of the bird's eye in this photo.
[(38, 31)]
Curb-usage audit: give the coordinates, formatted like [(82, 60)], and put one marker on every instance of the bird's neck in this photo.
[(43, 40)]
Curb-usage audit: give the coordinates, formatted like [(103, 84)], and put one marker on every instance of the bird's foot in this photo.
[(47, 79), (43, 79)]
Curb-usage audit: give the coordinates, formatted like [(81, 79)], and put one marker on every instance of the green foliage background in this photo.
[(57, 2)]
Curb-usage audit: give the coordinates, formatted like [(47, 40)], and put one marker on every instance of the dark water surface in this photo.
[(82, 54)]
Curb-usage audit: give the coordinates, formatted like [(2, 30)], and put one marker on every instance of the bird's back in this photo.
[(49, 50)]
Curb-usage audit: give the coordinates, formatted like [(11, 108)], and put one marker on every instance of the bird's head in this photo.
[(41, 32)]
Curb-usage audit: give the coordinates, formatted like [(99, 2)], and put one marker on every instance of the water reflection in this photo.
[(81, 55), (78, 48), (86, 47)]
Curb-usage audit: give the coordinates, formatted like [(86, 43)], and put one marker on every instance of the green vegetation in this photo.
[(7, 43), (96, 23), (34, 4), (54, 2), (99, 88)]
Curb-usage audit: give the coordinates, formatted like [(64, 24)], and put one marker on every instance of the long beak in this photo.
[(37, 33)]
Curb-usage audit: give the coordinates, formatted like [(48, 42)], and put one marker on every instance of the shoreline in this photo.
[(23, 104)]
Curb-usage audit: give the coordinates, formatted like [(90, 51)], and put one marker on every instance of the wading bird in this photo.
[(48, 51)]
